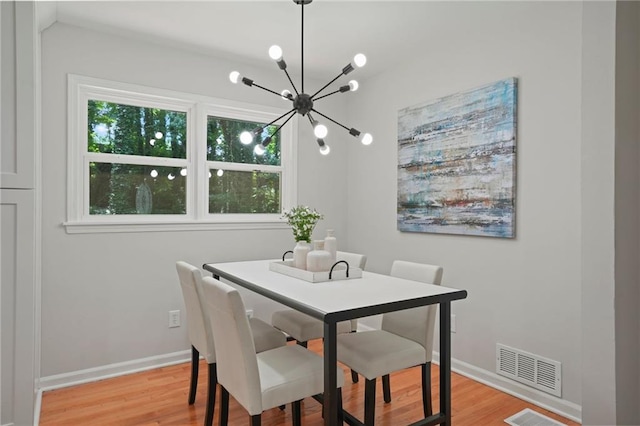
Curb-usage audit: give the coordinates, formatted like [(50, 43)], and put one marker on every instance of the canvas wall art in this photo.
[(456, 163)]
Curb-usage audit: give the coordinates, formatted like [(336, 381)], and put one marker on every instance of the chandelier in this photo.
[(302, 103)]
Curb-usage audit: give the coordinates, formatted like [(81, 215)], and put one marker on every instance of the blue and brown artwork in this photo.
[(456, 163)]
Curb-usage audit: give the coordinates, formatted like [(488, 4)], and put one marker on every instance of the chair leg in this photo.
[(195, 360), (211, 395), (354, 375), (256, 420), (426, 389), (296, 417), (224, 407), (386, 388), (303, 344), (340, 412), (369, 402)]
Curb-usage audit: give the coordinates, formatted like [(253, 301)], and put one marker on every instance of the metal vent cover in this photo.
[(528, 417), (541, 373)]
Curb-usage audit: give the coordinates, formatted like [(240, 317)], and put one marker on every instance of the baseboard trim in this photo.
[(554, 404), (112, 370)]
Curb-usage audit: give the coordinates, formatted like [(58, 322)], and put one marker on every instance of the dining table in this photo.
[(338, 300)]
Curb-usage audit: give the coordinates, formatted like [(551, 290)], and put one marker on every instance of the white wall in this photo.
[(106, 297), (523, 292), (598, 220)]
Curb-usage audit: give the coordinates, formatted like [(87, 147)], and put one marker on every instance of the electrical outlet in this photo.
[(174, 319), (453, 323)]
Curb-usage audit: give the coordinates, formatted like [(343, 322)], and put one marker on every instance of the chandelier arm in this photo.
[(302, 47), (285, 122), (331, 119), (292, 110), (328, 94), (291, 81), (325, 86), (268, 90)]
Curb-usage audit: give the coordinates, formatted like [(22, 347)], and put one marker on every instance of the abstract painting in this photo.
[(456, 163)]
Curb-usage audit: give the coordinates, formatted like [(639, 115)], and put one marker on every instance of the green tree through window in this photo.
[(241, 191), (136, 131)]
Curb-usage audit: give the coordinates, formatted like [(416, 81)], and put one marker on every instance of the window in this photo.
[(143, 158)]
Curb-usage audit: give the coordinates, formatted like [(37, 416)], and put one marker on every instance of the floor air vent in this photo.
[(533, 370), (528, 417)]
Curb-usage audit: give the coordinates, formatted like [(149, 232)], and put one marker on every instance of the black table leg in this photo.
[(330, 375), (445, 361)]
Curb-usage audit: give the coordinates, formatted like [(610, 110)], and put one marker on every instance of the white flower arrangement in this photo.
[(303, 220)]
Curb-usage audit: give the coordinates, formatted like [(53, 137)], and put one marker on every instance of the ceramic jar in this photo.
[(331, 245), (318, 259), (300, 252)]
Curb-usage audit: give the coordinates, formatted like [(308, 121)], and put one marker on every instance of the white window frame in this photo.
[(197, 108)]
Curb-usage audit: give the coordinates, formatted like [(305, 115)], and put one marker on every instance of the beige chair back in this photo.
[(417, 324), (199, 331), (353, 259), (237, 362)]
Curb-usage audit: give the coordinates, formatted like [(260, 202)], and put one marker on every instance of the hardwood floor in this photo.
[(159, 397)]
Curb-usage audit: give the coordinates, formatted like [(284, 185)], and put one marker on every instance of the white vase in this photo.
[(318, 260), (331, 245), (300, 252)]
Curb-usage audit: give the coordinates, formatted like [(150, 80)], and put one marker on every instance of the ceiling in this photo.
[(334, 30)]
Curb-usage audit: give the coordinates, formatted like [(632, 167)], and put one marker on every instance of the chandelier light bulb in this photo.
[(183, 172), (154, 173), (209, 174), (286, 94), (234, 77), (320, 130), (171, 176), (220, 172), (324, 149), (275, 52), (353, 85), (367, 139), (360, 60), (258, 149), (152, 142), (159, 135), (246, 137)]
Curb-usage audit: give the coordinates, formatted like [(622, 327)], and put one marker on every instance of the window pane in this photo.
[(132, 130), (134, 189), (244, 192), (223, 142)]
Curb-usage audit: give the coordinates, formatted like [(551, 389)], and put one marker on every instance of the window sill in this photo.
[(169, 226)]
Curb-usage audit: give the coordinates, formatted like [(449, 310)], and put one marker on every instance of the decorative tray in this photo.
[(339, 272)]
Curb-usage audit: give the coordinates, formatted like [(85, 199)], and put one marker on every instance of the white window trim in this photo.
[(197, 107)]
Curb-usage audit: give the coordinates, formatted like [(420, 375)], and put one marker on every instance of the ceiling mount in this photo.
[(302, 103)]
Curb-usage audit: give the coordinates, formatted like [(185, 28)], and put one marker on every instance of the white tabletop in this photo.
[(335, 296)]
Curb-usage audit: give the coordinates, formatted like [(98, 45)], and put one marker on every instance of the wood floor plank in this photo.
[(159, 397)]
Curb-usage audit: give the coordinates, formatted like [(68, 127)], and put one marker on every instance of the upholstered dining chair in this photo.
[(201, 336), (405, 340), (258, 381), (302, 328)]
